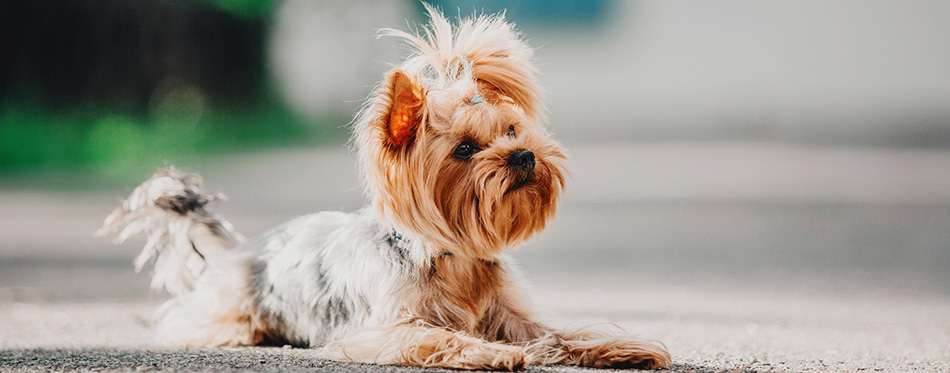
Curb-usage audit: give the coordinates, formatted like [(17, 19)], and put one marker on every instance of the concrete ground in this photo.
[(739, 257)]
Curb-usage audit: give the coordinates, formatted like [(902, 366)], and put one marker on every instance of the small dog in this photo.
[(458, 168)]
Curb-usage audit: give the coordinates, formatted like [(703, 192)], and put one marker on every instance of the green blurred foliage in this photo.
[(120, 145), (186, 81), (97, 125)]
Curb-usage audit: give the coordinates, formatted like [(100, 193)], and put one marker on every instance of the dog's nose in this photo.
[(522, 159)]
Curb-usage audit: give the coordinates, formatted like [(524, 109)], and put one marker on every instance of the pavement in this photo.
[(738, 256)]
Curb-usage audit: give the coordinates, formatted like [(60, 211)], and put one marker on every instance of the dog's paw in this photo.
[(488, 356), (630, 360), (600, 350), (513, 358)]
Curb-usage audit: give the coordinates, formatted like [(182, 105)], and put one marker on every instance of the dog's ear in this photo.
[(406, 102)]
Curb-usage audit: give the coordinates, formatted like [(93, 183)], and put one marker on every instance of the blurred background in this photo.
[(739, 147)]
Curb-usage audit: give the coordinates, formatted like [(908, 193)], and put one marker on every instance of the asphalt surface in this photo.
[(739, 257), (246, 359)]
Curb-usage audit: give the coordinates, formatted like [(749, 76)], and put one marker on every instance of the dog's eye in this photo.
[(465, 150), (511, 131)]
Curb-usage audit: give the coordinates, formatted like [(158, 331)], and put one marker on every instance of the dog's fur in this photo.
[(418, 277)]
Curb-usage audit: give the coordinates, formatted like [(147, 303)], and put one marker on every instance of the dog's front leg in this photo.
[(424, 346), (601, 349), (507, 322)]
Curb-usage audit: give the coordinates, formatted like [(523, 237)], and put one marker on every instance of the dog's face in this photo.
[(465, 169), (453, 149)]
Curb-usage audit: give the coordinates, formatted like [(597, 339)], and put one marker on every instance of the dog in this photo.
[(458, 168)]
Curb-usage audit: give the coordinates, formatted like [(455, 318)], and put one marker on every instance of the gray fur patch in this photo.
[(182, 204)]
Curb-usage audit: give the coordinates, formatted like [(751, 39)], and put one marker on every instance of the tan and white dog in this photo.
[(458, 169)]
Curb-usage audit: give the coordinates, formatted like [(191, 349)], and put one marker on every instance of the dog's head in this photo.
[(452, 144)]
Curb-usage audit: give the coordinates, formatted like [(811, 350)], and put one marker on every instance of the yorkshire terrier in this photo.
[(458, 168)]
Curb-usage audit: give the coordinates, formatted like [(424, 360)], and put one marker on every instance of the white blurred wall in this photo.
[(841, 72), (324, 56), (820, 71)]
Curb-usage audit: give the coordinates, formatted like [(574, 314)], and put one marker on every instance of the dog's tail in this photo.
[(169, 210)]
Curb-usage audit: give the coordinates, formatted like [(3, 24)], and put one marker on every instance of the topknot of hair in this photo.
[(483, 48)]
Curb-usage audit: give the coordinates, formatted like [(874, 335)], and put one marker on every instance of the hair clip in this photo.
[(477, 99)]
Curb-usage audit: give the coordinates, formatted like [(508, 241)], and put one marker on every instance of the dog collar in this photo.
[(398, 242)]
